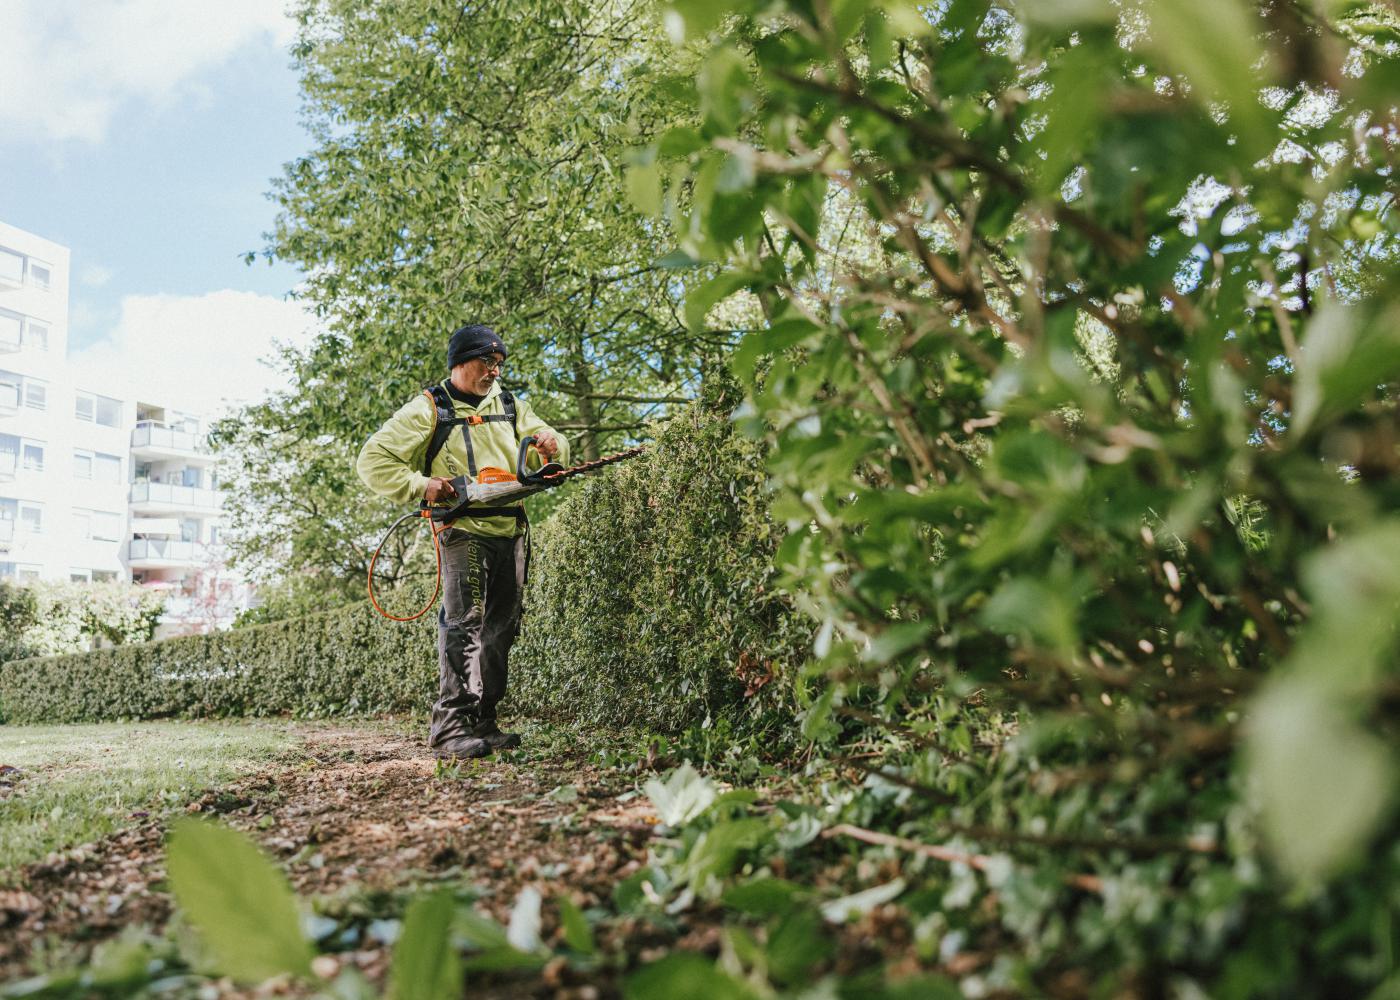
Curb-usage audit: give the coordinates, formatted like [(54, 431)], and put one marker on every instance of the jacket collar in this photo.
[(491, 394)]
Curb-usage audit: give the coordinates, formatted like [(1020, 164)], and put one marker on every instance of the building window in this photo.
[(36, 395), (109, 411), (10, 325), (103, 576), (28, 572), (82, 465), (105, 411), (106, 468), (80, 575), (107, 527), (31, 518), (39, 275), (9, 454), (36, 336), (11, 267), (34, 458), (99, 525)]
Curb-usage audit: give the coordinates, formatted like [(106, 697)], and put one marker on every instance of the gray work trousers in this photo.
[(483, 584)]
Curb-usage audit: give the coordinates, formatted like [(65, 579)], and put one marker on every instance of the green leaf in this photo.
[(778, 337), (684, 977), (644, 188), (687, 20), (238, 900), (700, 301), (717, 850), (763, 897), (426, 966), (1324, 782), (795, 945), (898, 639), (1344, 357), (480, 930), (577, 934), (726, 92), (683, 796), (677, 260), (1219, 61), (1082, 83)]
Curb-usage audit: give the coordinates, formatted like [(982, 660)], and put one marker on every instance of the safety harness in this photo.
[(481, 485), (445, 418)]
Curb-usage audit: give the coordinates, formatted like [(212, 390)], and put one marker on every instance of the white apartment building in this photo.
[(97, 483)]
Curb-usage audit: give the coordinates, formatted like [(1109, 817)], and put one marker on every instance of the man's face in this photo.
[(475, 376)]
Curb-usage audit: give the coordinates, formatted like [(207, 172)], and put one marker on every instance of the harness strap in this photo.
[(445, 418)]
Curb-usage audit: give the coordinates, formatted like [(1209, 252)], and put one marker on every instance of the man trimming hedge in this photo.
[(483, 558)]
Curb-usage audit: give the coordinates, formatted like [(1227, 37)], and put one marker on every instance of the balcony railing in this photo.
[(7, 531), (9, 462), (176, 497), (9, 399), (155, 434), (166, 549)]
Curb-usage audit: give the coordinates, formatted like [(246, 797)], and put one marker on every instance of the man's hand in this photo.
[(438, 490), (547, 443)]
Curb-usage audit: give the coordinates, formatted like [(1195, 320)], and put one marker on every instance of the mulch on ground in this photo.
[(361, 811)]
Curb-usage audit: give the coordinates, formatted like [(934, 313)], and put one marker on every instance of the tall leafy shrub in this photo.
[(653, 597), (1101, 431)]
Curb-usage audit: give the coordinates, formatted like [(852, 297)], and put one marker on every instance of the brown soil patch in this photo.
[(357, 811)]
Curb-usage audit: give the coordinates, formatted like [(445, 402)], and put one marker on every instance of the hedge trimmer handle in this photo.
[(522, 470)]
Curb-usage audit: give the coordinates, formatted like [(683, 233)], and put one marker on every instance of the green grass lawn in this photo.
[(78, 783)]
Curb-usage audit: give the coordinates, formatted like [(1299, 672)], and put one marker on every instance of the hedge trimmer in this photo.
[(492, 488)]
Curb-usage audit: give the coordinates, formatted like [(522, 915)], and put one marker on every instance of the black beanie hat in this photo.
[(473, 341)]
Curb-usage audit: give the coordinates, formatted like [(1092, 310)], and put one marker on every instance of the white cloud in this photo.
[(67, 66), (197, 353), (95, 275)]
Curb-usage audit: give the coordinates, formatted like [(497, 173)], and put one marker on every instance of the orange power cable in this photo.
[(437, 554)]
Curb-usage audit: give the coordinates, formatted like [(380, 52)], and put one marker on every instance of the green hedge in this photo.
[(650, 586), (346, 661), (656, 590)]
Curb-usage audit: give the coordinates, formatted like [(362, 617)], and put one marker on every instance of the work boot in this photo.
[(462, 748), (497, 740)]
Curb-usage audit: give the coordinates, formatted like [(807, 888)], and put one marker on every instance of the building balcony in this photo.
[(9, 465), (9, 400), (168, 498), (153, 439), (161, 553), (8, 346), (7, 532)]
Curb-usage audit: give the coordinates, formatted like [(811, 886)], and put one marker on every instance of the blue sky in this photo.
[(149, 150)]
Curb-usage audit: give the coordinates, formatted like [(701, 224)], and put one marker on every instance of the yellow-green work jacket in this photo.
[(391, 461)]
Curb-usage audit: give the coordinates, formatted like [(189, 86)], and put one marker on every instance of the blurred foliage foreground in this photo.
[(1094, 438)]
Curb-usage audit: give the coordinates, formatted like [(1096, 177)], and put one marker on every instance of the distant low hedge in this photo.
[(651, 601), (346, 661)]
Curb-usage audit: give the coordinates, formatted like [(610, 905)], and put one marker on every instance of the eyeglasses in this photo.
[(493, 366)]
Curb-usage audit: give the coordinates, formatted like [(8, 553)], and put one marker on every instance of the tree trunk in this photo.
[(587, 412)]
